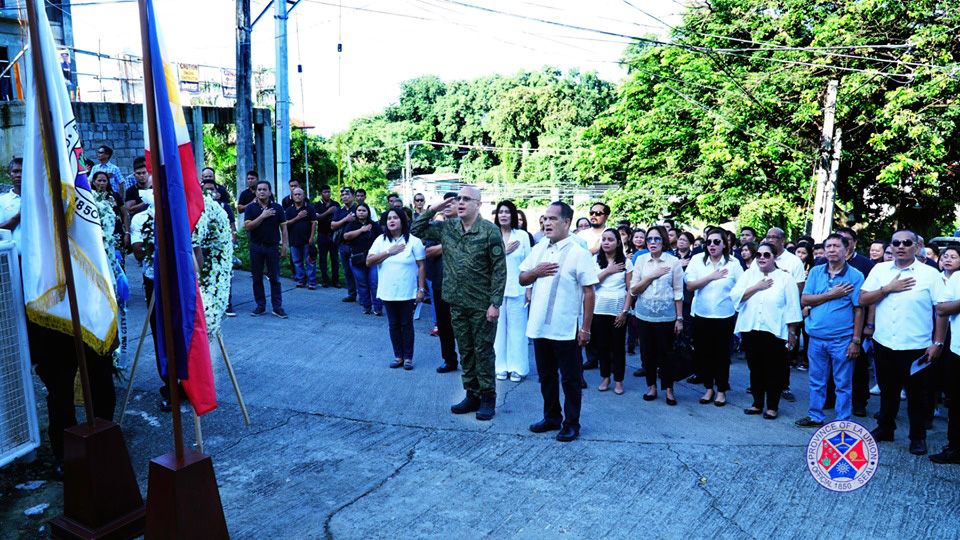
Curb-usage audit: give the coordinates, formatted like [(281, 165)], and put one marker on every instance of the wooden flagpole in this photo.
[(160, 233), (53, 169), (101, 498)]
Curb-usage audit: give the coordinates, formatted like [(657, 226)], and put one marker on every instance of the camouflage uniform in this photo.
[(474, 276)]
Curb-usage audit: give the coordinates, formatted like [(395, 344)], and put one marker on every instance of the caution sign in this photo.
[(229, 83), (190, 78)]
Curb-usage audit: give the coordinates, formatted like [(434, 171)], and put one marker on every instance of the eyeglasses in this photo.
[(464, 198), (592, 213), (904, 243), (654, 239), (418, 200), (764, 255), (714, 242)]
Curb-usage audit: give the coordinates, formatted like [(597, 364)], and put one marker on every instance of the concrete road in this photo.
[(343, 447)]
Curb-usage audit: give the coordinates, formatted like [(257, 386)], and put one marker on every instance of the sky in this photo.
[(385, 42)]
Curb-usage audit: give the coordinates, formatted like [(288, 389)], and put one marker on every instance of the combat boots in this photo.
[(488, 406), (469, 404)]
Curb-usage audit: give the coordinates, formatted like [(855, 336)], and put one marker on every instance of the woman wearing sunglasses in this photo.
[(658, 285), (711, 278), (768, 303)]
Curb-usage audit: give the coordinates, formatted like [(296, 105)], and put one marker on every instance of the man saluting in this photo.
[(474, 276)]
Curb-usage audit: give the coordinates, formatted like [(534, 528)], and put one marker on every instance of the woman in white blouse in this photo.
[(403, 281), (658, 285), (768, 303), (510, 346), (611, 304), (711, 277)]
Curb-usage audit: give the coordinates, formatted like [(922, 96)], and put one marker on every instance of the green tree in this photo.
[(713, 135)]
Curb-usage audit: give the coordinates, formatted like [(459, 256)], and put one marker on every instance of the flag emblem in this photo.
[(842, 456)]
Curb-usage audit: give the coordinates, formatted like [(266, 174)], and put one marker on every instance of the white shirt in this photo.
[(591, 236), (136, 237), (611, 293), (791, 263), (769, 310), (712, 301), (397, 274), (904, 319), (657, 303), (513, 287), (951, 293), (558, 299), (9, 207)]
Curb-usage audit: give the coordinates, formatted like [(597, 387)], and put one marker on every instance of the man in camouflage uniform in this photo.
[(474, 276)]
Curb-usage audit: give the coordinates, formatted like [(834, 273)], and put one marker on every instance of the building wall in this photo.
[(120, 126)]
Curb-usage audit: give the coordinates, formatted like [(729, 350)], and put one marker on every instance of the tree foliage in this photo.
[(535, 109), (720, 136)]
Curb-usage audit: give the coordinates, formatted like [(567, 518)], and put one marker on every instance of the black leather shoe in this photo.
[(470, 404), (639, 372), (164, 404), (349, 299), (57, 472), (788, 396), (671, 402), (946, 456), (694, 379), (806, 421), (543, 426), (446, 368), (830, 405), (488, 407), (589, 365), (880, 434), (918, 447), (860, 412), (567, 434)]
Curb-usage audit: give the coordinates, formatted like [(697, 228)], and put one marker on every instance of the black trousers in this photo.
[(53, 354), (893, 375), (861, 383), (656, 344), (563, 356), (448, 344), (711, 339), (327, 249), (952, 387), (609, 347), (766, 358), (400, 321), (263, 255)]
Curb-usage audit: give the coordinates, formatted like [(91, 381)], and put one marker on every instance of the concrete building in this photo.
[(13, 39)]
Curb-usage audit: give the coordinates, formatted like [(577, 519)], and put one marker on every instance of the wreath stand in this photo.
[(196, 419)]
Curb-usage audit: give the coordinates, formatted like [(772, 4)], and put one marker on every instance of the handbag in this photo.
[(358, 260), (683, 357)]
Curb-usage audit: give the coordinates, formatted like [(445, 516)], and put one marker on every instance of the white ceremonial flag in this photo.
[(44, 283)]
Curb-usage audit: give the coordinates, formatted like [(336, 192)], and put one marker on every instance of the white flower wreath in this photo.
[(212, 235), (214, 238)]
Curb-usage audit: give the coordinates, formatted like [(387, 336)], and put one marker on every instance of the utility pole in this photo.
[(244, 103), (826, 190), (282, 95)]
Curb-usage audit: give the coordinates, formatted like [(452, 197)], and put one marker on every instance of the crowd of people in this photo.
[(582, 288), (586, 289)]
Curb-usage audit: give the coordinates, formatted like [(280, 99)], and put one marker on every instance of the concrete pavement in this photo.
[(343, 447)]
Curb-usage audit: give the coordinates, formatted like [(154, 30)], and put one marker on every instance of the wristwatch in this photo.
[(424, 291), (938, 344), (871, 326), (856, 340)]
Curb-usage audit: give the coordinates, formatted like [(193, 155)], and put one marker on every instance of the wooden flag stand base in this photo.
[(183, 500), (101, 498)]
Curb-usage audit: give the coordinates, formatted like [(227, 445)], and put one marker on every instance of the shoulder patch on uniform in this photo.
[(497, 251)]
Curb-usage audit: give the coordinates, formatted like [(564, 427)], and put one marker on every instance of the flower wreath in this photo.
[(212, 235)]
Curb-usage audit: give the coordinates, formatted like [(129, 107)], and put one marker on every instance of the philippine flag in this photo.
[(181, 203)]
